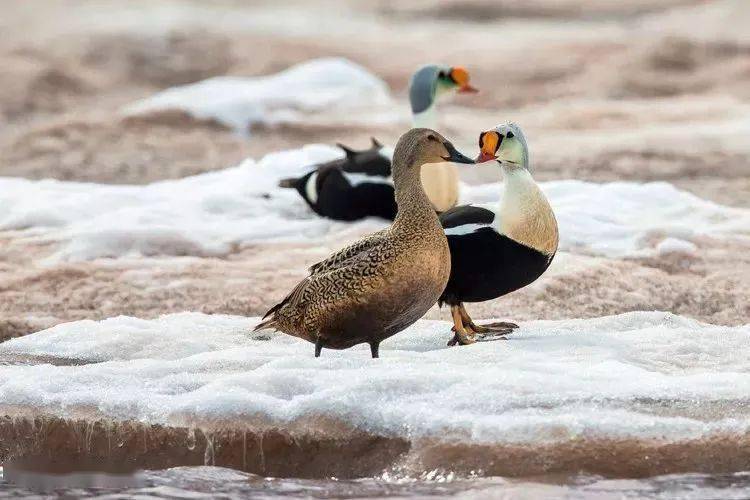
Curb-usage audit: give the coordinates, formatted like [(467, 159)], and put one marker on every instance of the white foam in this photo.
[(319, 85), (202, 215), (212, 213), (553, 381)]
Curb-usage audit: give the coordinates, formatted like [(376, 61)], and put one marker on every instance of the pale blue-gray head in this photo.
[(432, 80), (505, 143)]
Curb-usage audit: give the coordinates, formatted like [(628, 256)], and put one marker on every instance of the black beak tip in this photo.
[(455, 156)]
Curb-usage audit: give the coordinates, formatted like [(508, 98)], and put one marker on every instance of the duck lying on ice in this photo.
[(360, 184), (383, 283), (498, 249)]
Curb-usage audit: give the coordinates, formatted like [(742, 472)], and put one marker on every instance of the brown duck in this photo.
[(383, 283)]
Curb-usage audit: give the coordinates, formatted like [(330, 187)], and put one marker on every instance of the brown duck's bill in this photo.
[(454, 156)]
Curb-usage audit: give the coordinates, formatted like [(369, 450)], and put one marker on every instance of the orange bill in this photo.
[(461, 77), (488, 144)]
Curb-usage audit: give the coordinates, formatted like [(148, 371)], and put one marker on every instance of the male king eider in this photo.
[(498, 249), (383, 283), (359, 185), (356, 186)]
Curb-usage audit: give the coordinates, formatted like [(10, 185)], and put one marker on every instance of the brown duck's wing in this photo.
[(339, 272), (344, 255), (329, 289)]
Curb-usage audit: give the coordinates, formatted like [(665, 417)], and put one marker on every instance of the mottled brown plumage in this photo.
[(383, 283)]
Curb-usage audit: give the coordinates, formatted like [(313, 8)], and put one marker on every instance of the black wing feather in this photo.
[(466, 214)]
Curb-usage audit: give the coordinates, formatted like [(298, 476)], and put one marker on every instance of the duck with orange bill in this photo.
[(360, 184), (501, 247)]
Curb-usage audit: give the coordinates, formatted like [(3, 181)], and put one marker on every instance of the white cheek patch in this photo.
[(511, 150), (310, 188)]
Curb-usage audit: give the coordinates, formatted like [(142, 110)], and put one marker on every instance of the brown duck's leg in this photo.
[(318, 347), (498, 328), (461, 335), (374, 349)]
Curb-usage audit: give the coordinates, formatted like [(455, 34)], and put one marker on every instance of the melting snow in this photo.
[(670, 246), (310, 87), (211, 213), (641, 374)]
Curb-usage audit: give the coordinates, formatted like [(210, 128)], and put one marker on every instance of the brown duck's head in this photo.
[(420, 146)]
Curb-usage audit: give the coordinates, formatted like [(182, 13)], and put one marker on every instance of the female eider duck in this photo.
[(383, 283), (498, 249), (360, 184)]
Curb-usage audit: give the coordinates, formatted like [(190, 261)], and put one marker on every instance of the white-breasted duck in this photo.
[(498, 248), (360, 184), (383, 283)]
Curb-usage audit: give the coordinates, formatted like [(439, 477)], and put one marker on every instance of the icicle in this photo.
[(190, 442), (209, 457)]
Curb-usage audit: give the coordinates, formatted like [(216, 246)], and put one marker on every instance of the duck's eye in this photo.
[(441, 74), (431, 138), (509, 135)]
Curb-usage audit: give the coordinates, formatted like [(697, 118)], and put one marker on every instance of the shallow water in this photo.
[(217, 482)]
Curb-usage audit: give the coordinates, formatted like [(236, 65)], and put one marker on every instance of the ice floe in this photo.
[(212, 213), (646, 375), (239, 102)]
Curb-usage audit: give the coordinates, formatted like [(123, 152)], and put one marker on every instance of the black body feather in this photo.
[(486, 265), (340, 199)]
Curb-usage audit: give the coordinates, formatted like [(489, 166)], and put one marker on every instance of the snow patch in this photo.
[(213, 213), (641, 374), (203, 215), (310, 87), (618, 219), (669, 246)]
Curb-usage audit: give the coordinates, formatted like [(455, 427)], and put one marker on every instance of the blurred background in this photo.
[(607, 90)]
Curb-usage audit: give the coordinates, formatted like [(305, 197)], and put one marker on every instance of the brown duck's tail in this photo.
[(290, 182), (269, 323)]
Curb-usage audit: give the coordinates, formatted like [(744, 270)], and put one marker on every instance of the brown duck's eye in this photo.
[(431, 138)]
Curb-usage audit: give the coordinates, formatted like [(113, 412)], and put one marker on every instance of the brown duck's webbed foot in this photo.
[(318, 347), (461, 335), (375, 349)]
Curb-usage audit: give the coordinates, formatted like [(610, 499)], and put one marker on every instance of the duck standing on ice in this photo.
[(360, 184), (498, 249), (383, 283)]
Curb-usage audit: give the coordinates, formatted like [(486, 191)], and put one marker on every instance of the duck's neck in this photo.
[(414, 207), (426, 118), (525, 214)]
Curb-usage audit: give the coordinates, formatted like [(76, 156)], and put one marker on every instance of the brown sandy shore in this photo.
[(606, 90)]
